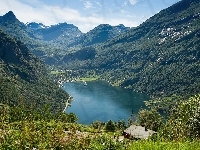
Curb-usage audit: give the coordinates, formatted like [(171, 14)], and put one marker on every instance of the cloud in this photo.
[(98, 3), (125, 4), (132, 2), (126, 22), (36, 11), (88, 5)]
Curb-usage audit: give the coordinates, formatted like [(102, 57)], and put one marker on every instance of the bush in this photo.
[(150, 119), (110, 126), (184, 121)]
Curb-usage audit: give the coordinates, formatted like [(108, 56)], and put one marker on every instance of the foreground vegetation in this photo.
[(159, 145), (160, 57), (22, 127)]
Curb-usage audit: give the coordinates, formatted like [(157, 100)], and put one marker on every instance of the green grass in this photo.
[(87, 79), (159, 145), (43, 134)]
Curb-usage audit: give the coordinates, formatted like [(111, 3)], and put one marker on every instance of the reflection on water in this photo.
[(100, 101)]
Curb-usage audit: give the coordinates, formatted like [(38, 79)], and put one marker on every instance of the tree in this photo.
[(121, 124), (98, 125), (151, 119), (110, 126), (184, 121)]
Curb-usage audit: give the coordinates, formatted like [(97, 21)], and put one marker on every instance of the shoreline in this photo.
[(68, 103)]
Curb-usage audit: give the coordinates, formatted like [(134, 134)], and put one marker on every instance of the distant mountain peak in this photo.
[(10, 13), (64, 25), (99, 34), (52, 32), (120, 25), (104, 25), (35, 25), (9, 16)]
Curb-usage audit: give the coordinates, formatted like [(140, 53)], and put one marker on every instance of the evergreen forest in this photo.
[(160, 57)]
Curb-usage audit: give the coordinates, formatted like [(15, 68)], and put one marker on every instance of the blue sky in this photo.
[(85, 14)]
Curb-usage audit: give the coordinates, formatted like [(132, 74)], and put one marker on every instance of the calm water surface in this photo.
[(100, 101)]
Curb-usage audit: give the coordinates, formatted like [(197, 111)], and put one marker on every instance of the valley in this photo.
[(146, 76)]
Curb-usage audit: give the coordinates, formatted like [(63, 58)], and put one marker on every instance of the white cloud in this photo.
[(48, 15), (122, 11), (98, 3), (36, 11), (132, 2), (125, 4), (126, 22), (88, 5)]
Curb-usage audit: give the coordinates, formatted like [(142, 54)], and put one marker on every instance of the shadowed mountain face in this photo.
[(40, 39), (15, 53), (51, 43), (23, 77), (35, 25), (12, 26), (37, 31), (160, 57), (99, 35), (8, 17), (54, 32)]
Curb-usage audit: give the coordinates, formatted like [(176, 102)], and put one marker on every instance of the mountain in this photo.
[(43, 41), (160, 57), (8, 17), (54, 32), (51, 43), (98, 35), (12, 26), (35, 25), (85, 53), (47, 51), (24, 78)]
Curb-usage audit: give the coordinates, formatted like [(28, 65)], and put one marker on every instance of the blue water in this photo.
[(101, 101)]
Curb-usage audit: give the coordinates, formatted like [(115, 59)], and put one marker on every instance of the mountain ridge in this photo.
[(51, 43), (158, 57), (99, 34), (53, 32), (23, 77)]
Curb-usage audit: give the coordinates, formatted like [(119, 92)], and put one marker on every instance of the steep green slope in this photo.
[(23, 78), (99, 34), (160, 57), (46, 50)]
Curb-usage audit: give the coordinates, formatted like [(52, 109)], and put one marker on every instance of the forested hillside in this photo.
[(99, 34), (13, 27), (23, 78), (51, 43), (160, 57)]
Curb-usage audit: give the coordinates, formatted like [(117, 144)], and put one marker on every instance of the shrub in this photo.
[(151, 119)]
